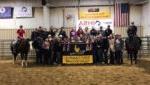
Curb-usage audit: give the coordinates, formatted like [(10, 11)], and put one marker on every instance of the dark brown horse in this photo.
[(133, 45), (21, 47)]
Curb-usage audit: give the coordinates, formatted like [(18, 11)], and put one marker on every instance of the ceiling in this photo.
[(58, 3), (62, 3)]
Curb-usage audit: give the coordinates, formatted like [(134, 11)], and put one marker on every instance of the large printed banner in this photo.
[(24, 11), (95, 13), (78, 59), (6, 12), (95, 23)]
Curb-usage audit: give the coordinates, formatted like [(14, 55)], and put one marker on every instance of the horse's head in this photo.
[(37, 43), (14, 47)]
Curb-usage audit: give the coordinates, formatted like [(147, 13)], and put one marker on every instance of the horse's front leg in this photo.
[(22, 60), (26, 62), (131, 58), (135, 56), (14, 58)]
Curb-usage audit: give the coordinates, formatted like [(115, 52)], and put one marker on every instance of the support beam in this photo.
[(46, 15)]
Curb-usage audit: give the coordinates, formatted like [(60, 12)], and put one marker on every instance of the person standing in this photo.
[(51, 32), (119, 44), (108, 31), (80, 32), (101, 31), (57, 48), (111, 49), (93, 32), (34, 34), (106, 47), (62, 33), (46, 51), (99, 49)]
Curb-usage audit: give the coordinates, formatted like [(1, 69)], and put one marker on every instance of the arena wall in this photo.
[(8, 26)]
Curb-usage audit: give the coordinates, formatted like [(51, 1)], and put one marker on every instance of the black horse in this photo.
[(133, 45), (37, 45), (21, 47)]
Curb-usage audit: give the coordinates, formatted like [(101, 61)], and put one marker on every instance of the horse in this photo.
[(37, 45), (21, 47), (133, 45)]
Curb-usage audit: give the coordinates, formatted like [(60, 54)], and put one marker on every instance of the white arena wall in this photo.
[(57, 18)]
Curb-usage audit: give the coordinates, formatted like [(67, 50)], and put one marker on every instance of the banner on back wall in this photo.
[(95, 13), (24, 11), (6, 12), (95, 23)]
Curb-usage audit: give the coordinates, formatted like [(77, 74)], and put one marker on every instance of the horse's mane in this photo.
[(24, 45)]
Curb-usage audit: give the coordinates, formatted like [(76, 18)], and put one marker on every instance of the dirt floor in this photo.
[(75, 75)]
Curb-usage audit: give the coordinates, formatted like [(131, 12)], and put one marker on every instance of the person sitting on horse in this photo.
[(132, 30), (20, 34)]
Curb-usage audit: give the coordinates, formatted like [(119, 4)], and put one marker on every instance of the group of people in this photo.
[(51, 45)]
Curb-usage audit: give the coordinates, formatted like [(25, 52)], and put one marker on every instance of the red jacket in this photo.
[(20, 33)]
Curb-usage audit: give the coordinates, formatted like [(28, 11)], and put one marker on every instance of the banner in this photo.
[(95, 13), (6, 12), (24, 11), (95, 23), (70, 20), (78, 59)]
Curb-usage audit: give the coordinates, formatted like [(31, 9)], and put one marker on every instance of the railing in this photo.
[(5, 48), (145, 48)]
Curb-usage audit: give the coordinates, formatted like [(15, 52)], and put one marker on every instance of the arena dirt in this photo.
[(75, 75)]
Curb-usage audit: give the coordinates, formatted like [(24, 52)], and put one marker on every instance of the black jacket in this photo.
[(132, 30), (108, 32), (93, 32), (63, 33), (34, 35)]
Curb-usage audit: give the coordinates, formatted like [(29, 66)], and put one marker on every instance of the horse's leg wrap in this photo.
[(22, 63)]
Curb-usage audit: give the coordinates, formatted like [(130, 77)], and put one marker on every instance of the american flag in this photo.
[(121, 14)]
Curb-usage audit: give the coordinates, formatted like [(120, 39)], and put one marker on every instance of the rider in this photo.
[(132, 30), (20, 34)]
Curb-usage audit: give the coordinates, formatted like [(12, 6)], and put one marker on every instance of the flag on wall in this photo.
[(121, 18), (24, 11), (6, 12)]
